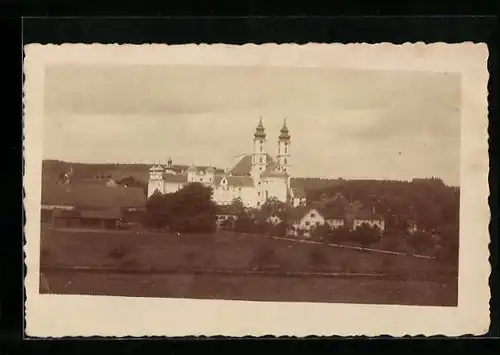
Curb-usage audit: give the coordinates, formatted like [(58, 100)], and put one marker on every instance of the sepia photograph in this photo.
[(254, 182)]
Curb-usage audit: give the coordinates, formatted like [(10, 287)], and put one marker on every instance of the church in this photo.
[(253, 179)]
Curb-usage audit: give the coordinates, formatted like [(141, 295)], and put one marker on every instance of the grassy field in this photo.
[(161, 265), (255, 288)]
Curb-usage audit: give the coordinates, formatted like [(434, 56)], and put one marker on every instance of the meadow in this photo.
[(235, 266)]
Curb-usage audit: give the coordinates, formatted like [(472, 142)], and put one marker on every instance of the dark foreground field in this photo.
[(257, 288), (233, 266)]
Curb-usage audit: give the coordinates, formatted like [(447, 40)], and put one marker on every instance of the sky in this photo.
[(346, 123)]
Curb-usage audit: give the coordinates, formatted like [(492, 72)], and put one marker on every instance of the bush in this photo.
[(245, 224), (339, 235), (278, 230), (366, 235)]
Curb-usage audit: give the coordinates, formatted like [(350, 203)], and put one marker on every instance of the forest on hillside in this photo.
[(428, 203), (52, 169)]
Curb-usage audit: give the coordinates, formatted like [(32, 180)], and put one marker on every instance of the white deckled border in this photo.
[(56, 316)]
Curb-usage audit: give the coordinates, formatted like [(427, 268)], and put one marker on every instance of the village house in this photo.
[(305, 218), (368, 217)]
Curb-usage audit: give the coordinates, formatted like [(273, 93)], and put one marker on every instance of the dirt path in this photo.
[(352, 247)]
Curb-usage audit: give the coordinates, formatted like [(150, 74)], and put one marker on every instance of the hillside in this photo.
[(52, 169)]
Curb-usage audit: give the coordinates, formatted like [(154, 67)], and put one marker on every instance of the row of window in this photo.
[(285, 161)]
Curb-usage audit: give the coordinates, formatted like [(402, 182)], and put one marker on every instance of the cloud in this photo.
[(342, 122)]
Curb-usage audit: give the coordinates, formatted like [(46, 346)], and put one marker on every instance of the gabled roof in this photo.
[(56, 194), (240, 181), (334, 212), (235, 181), (244, 165), (110, 213), (367, 215), (328, 213), (300, 211), (271, 171), (92, 196)]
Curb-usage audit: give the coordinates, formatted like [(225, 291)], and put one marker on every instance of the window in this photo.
[(259, 183), (285, 161), (307, 223), (260, 160), (258, 193), (312, 215), (261, 149), (286, 150)]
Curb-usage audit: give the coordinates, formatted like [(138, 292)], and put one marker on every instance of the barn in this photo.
[(91, 205)]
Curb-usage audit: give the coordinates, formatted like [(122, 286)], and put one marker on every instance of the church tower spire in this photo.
[(284, 148), (259, 156)]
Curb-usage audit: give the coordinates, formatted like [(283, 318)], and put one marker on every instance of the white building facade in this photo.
[(305, 220), (254, 178)]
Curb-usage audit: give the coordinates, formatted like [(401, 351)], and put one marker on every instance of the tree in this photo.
[(277, 230), (157, 210), (448, 244), (274, 207), (238, 205), (338, 235), (245, 223), (428, 202), (189, 209)]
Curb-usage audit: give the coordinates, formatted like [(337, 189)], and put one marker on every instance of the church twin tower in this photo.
[(259, 156)]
